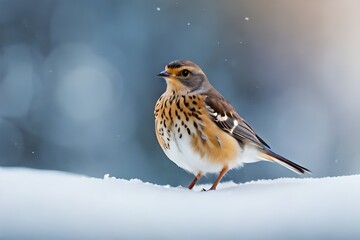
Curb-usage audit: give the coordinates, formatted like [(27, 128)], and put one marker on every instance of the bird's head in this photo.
[(184, 75)]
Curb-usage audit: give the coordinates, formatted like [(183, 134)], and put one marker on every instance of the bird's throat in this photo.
[(175, 86)]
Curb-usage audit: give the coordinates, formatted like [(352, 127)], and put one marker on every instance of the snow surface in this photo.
[(37, 204)]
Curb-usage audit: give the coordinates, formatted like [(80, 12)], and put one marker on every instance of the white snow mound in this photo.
[(37, 204)]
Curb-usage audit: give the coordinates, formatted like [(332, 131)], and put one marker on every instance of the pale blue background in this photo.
[(78, 81)]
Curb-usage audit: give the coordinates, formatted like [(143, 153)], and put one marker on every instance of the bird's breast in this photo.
[(189, 137)]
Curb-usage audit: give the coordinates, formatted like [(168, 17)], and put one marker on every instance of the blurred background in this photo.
[(78, 81)]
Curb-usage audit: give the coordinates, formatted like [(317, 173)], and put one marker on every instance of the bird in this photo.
[(201, 132)]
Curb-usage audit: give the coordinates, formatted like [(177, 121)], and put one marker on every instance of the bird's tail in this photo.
[(269, 155)]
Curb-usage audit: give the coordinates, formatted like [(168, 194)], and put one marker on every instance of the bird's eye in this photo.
[(185, 73)]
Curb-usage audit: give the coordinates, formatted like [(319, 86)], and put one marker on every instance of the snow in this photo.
[(38, 204)]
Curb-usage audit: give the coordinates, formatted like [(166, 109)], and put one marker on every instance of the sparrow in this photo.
[(199, 130)]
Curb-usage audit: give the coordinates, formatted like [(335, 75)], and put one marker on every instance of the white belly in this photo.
[(183, 155)]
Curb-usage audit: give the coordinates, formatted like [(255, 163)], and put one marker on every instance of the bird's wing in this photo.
[(225, 116)]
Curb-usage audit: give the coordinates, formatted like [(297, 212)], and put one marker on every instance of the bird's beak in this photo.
[(164, 74)]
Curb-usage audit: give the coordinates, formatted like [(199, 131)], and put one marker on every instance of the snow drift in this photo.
[(38, 204)]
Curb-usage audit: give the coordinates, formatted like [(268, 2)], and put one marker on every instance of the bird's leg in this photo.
[(221, 174), (197, 177)]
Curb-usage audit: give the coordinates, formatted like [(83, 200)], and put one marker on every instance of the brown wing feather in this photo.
[(225, 116)]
